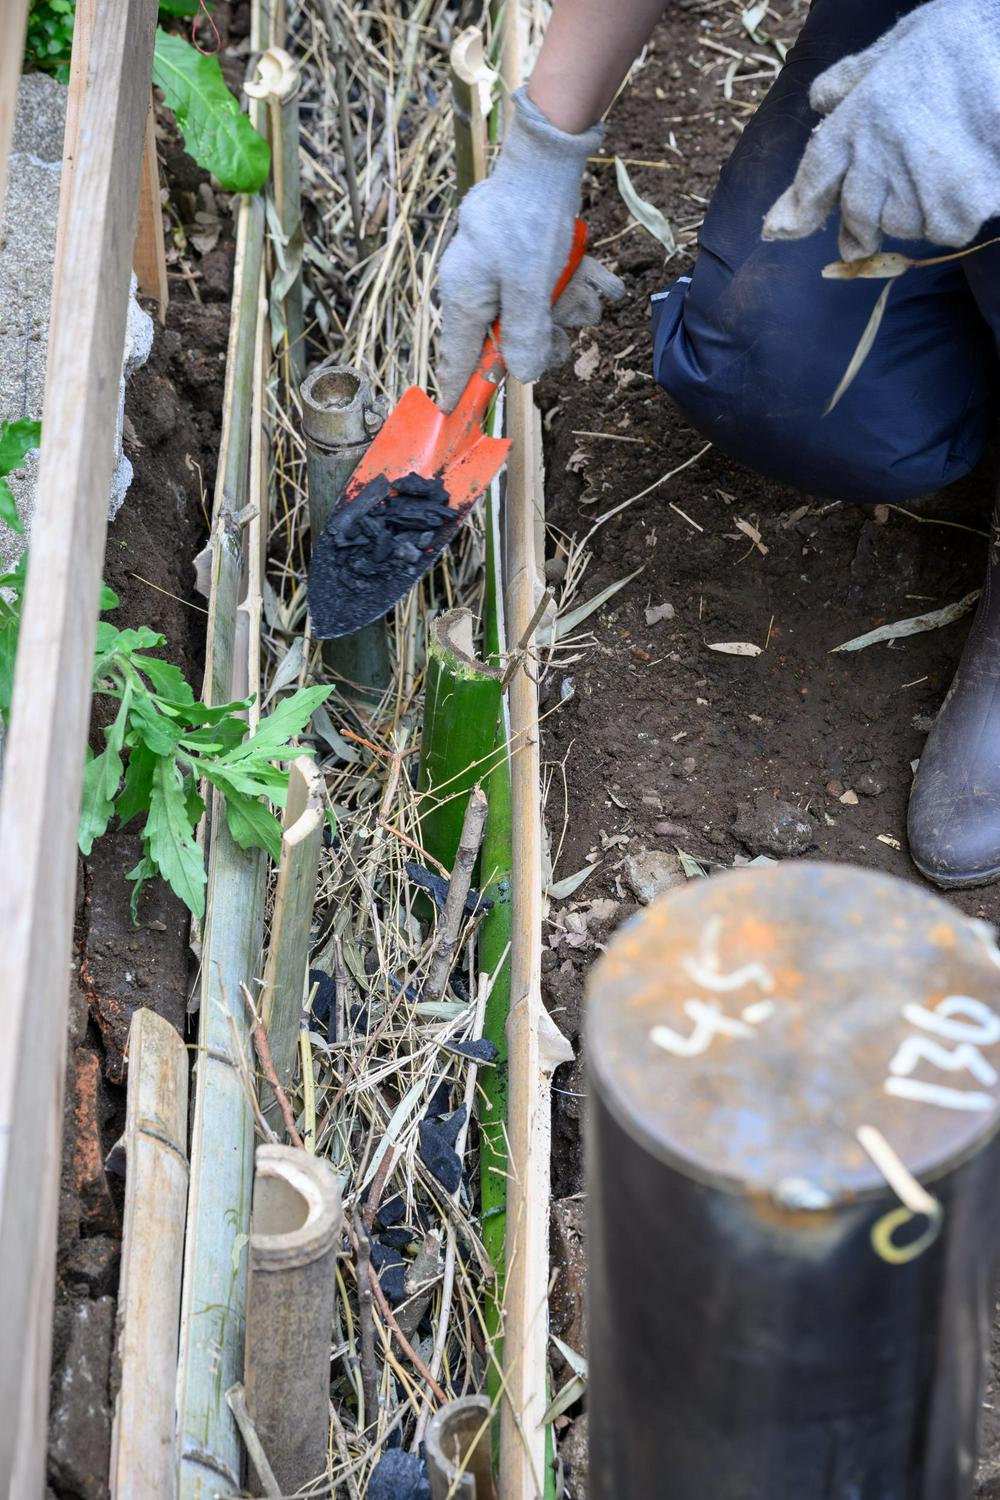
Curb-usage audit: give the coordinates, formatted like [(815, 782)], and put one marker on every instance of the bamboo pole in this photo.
[(152, 1251), (213, 1303), (461, 705), (276, 85), (13, 26), (472, 81), (52, 688), (535, 1047), (283, 996)]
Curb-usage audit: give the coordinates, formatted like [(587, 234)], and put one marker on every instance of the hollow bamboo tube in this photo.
[(213, 1302), (471, 84), (142, 1441), (458, 1450), (293, 1252), (461, 706), (340, 416), (283, 996), (776, 1056)]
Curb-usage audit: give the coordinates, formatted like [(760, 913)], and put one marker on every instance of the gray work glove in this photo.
[(514, 236), (911, 143)]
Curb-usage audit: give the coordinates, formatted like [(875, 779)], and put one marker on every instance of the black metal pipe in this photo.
[(767, 1320)]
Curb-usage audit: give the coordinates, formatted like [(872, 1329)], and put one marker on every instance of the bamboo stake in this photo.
[(149, 257), (461, 705), (472, 83), (283, 995), (52, 688), (215, 1273), (535, 1046), (13, 26), (276, 85), (152, 1251)]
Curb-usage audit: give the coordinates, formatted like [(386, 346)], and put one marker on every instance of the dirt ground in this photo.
[(172, 429), (660, 742)]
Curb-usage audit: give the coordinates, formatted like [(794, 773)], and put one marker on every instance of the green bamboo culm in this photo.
[(461, 706)]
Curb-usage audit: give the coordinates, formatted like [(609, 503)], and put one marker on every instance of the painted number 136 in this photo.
[(966, 1023)]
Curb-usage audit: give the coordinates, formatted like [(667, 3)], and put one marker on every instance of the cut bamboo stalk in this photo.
[(213, 1303), (297, 1217), (472, 81), (45, 749), (283, 996), (142, 1441), (458, 1450), (461, 706), (13, 26), (149, 257), (535, 1046), (276, 84), (340, 416)]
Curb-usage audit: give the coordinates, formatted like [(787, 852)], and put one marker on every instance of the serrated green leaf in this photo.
[(143, 871), (16, 440), (216, 133), (274, 732), (169, 835), (168, 681), (101, 778), (134, 798), (154, 729), (252, 825)]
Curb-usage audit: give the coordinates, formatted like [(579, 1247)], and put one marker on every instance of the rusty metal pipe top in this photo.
[(745, 1027)]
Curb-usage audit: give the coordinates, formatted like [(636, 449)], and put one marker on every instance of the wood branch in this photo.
[(262, 1047), (283, 995), (458, 890), (366, 1319), (149, 259), (152, 1252), (51, 705), (13, 25)]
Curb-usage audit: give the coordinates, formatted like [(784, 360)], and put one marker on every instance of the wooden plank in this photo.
[(13, 24), (52, 688), (149, 259), (142, 1443), (79, 67)]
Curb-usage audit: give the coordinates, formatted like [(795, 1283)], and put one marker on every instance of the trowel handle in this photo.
[(474, 401)]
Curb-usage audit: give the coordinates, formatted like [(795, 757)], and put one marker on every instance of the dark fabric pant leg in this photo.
[(753, 344)]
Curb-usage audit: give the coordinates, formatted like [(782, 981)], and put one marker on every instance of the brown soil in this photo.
[(172, 428), (664, 743)]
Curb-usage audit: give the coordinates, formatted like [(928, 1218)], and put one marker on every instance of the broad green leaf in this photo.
[(17, 439), (108, 599), (101, 778), (134, 797), (156, 731), (265, 780), (170, 837), (216, 133), (273, 732), (252, 825), (168, 681), (8, 508)]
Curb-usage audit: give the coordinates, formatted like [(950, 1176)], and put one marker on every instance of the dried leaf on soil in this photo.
[(587, 362), (647, 214), (915, 625), (735, 648)]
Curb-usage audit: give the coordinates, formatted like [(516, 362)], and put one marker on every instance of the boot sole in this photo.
[(958, 882)]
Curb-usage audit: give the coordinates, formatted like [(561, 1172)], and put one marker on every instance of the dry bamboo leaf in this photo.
[(647, 214), (752, 532), (574, 1389), (692, 869), (887, 838), (735, 648), (565, 624), (915, 625), (861, 353), (570, 883), (885, 264)]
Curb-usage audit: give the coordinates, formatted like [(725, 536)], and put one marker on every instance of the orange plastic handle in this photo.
[(474, 401)]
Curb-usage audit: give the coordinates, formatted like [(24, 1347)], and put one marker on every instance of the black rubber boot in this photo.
[(953, 824)]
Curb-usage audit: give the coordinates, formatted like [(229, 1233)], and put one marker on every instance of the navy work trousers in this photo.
[(752, 345)]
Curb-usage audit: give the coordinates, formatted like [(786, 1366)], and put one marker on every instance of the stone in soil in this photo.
[(573, 1454), (568, 1250), (650, 872), (80, 1418), (767, 825), (90, 1110)]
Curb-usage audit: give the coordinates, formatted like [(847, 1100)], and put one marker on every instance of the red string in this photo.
[(204, 14)]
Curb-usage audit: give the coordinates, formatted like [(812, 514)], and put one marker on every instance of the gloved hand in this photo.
[(911, 145), (514, 236)]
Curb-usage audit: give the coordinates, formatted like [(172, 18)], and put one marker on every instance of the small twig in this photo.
[(366, 1283), (340, 1438), (236, 1400), (263, 1049), (405, 1344), (473, 827), (520, 650), (346, 137)]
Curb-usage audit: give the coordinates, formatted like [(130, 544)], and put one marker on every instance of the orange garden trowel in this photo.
[(408, 496)]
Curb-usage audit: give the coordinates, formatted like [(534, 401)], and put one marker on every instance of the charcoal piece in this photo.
[(459, 988), (358, 1017), (324, 1006), (440, 1102), (384, 1255), (424, 539), (393, 1283), (417, 484), (399, 1476), (391, 1211), (398, 1239), (406, 552), (410, 991), (437, 1154), (382, 550), (482, 1051), (437, 888)]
